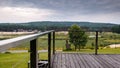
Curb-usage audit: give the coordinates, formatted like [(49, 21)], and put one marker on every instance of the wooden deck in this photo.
[(76, 60)]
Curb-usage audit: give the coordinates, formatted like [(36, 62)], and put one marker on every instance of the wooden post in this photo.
[(96, 43), (53, 42), (49, 50), (33, 54)]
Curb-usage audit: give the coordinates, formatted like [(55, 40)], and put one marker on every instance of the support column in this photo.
[(53, 42), (96, 43), (49, 50), (33, 54)]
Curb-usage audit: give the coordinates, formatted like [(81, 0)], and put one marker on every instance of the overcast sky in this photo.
[(107, 11)]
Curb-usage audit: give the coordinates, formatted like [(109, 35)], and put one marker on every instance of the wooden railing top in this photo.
[(6, 44)]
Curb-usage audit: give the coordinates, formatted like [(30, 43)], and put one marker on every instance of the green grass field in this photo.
[(17, 60), (100, 51), (14, 60)]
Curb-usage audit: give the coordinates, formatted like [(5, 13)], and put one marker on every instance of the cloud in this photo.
[(81, 6), (105, 18), (83, 10), (20, 14)]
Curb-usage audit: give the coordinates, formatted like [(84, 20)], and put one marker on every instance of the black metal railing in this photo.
[(6, 44)]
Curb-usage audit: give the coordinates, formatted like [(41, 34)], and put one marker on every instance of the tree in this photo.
[(116, 29), (77, 36)]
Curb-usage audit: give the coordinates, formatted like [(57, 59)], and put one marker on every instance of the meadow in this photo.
[(105, 39), (17, 60)]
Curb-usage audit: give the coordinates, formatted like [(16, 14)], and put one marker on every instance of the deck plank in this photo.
[(77, 60), (94, 62), (84, 61), (63, 61), (101, 61), (71, 61)]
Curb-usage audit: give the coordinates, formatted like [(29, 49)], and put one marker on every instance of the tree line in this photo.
[(116, 29), (58, 26)]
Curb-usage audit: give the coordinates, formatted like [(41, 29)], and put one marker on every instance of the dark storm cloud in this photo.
[(68, 6), (60, 10)]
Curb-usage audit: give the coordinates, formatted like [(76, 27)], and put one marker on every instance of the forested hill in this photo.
[(48, 25)]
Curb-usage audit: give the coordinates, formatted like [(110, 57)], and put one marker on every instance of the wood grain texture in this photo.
[(77, 60)]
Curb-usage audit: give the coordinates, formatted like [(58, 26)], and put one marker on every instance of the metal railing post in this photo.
[(49, 50), (96, 43), (53, 42), (33, 54)]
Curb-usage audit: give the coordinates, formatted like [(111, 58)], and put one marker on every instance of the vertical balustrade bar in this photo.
[(33, 54), (49, 50), (96, 43), (53, 42)]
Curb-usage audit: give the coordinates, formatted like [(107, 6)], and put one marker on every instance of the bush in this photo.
[(7, 52)]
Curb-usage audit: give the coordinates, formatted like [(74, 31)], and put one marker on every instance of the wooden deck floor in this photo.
[(76, 60)]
